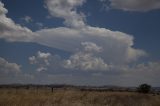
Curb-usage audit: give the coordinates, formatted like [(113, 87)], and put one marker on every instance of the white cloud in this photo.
[(66, 9), (41, 58), (41, 69), (7, 67), (27, 19), (92, 48), (85, 59), (2, 9), (148, 67), (135, 5), (142, 73), (113, 46), (89, 46), (134, 54), (117, 46), (45, 61), (11, 31), (40, 25), (88, 58)]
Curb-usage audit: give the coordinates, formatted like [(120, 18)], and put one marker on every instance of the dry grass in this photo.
[(44, 97)]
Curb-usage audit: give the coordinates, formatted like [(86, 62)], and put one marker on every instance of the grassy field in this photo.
[(71, 97)]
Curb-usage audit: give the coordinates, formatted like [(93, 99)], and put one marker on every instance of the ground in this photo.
[(74, 97)]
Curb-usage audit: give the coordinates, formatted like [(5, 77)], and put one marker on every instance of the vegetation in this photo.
[(144, 88), (73, 97)]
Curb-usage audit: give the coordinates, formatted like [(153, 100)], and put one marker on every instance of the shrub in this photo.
[(144, 88)]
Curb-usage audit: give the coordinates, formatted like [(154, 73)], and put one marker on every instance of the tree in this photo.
[(144, 88)]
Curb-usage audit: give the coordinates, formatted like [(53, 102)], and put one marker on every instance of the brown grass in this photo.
[(44, 97)]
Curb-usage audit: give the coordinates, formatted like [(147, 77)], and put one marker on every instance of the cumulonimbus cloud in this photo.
[(117, 47), (92, 48)]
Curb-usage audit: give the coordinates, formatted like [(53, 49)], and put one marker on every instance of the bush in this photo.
[(144, 88)]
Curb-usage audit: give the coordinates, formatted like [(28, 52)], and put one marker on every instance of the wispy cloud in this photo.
[(133, 5), (27, 19)]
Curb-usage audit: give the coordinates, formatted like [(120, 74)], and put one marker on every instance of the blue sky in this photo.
[(84, 42)]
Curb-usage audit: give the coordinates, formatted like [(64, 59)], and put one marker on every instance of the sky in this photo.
[(80, 42)]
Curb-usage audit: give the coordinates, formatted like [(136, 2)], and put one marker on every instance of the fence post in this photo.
[(52, 89)]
